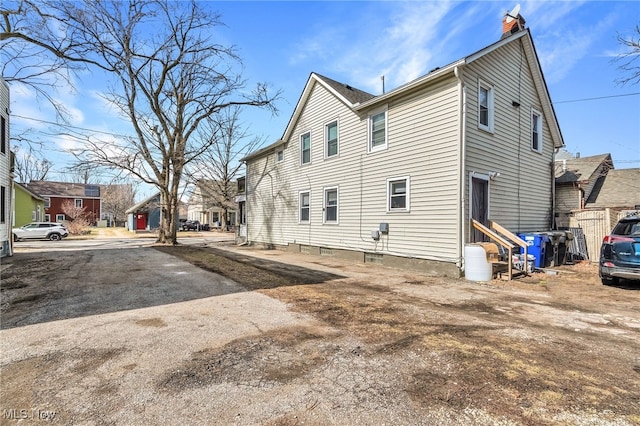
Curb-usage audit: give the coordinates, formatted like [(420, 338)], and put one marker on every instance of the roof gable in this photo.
[(154, 199), (581, 169), (359, 100), (532, 60), (347, 94), (24, 188), (620, 188)]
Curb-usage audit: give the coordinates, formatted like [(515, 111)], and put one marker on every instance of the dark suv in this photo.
[(190, 225), (620, 252)]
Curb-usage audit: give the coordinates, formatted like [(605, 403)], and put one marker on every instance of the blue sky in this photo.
[(356, 42)]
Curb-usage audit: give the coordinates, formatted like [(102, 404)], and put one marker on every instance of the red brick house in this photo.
[(56, 193)]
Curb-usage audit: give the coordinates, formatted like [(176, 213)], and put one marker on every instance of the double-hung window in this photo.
[(330, 205), (331, 138), (78, 202), (305, 148), (485, 106), (280, 155), (536, 131), (378, 131), (305, 207), (398, 194)]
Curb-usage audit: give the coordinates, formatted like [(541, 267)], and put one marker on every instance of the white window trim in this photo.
[(407, 180), (47, 202), (370, 147), (75, 202), (491, 94), (300, 193), (324, 205), (60, 218), (302, 151), (535, 112), (278, 152), (326, 139)]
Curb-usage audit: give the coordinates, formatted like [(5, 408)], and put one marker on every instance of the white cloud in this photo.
[(400, 40), (567, 40)]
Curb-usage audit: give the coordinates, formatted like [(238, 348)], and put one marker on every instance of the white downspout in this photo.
[(463, 149)]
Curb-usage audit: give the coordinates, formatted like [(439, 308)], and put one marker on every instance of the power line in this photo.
[(598, 98)]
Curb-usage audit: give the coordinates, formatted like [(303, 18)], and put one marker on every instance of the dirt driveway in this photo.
[(296, 339)]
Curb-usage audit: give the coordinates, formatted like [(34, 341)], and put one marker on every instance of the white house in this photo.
[(213, 203), (5, 173), (396, 178)]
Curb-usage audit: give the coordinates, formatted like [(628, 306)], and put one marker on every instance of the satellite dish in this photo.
[(514, 13)]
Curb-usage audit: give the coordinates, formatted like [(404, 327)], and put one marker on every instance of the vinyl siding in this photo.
[(422, 145), (5, 165), (520, 198)]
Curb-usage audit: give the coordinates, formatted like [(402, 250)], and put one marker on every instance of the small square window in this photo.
[(60, 217), (398, 194)]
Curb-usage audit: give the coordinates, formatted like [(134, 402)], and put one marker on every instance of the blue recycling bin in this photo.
[(536, 246)]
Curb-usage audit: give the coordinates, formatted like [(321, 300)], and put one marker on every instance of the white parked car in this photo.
[(40, 230)]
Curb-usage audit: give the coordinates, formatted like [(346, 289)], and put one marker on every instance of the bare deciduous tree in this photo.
[(79, 219), (39, 50), (217, 169), (30, 166), (169, 77), (116, 200), (629, 60)]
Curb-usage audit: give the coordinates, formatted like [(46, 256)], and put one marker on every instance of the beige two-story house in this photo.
[(396, 178)]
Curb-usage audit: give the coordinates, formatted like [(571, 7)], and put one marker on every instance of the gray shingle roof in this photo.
[(59, 189), (579, 169), (353, 95), (621, 188)]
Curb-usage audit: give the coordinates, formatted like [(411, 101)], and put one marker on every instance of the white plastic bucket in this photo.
[(476, 266)]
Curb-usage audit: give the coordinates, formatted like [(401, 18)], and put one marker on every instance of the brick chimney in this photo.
[(514, 26)]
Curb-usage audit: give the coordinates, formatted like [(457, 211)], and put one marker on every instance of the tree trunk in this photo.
[(168, 217)]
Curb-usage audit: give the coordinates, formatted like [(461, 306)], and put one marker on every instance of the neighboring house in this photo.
[(56, 194), (620, 190), (144, 216), (27, 206), (578, 181), (396, 178), (6, 170), (208, 203)]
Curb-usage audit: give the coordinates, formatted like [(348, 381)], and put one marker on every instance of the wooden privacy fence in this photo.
[(595, 225)]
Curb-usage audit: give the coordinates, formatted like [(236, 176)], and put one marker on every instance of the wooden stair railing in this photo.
[(505, 238)]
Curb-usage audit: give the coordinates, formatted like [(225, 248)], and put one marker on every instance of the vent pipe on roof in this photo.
[(382, 78)]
